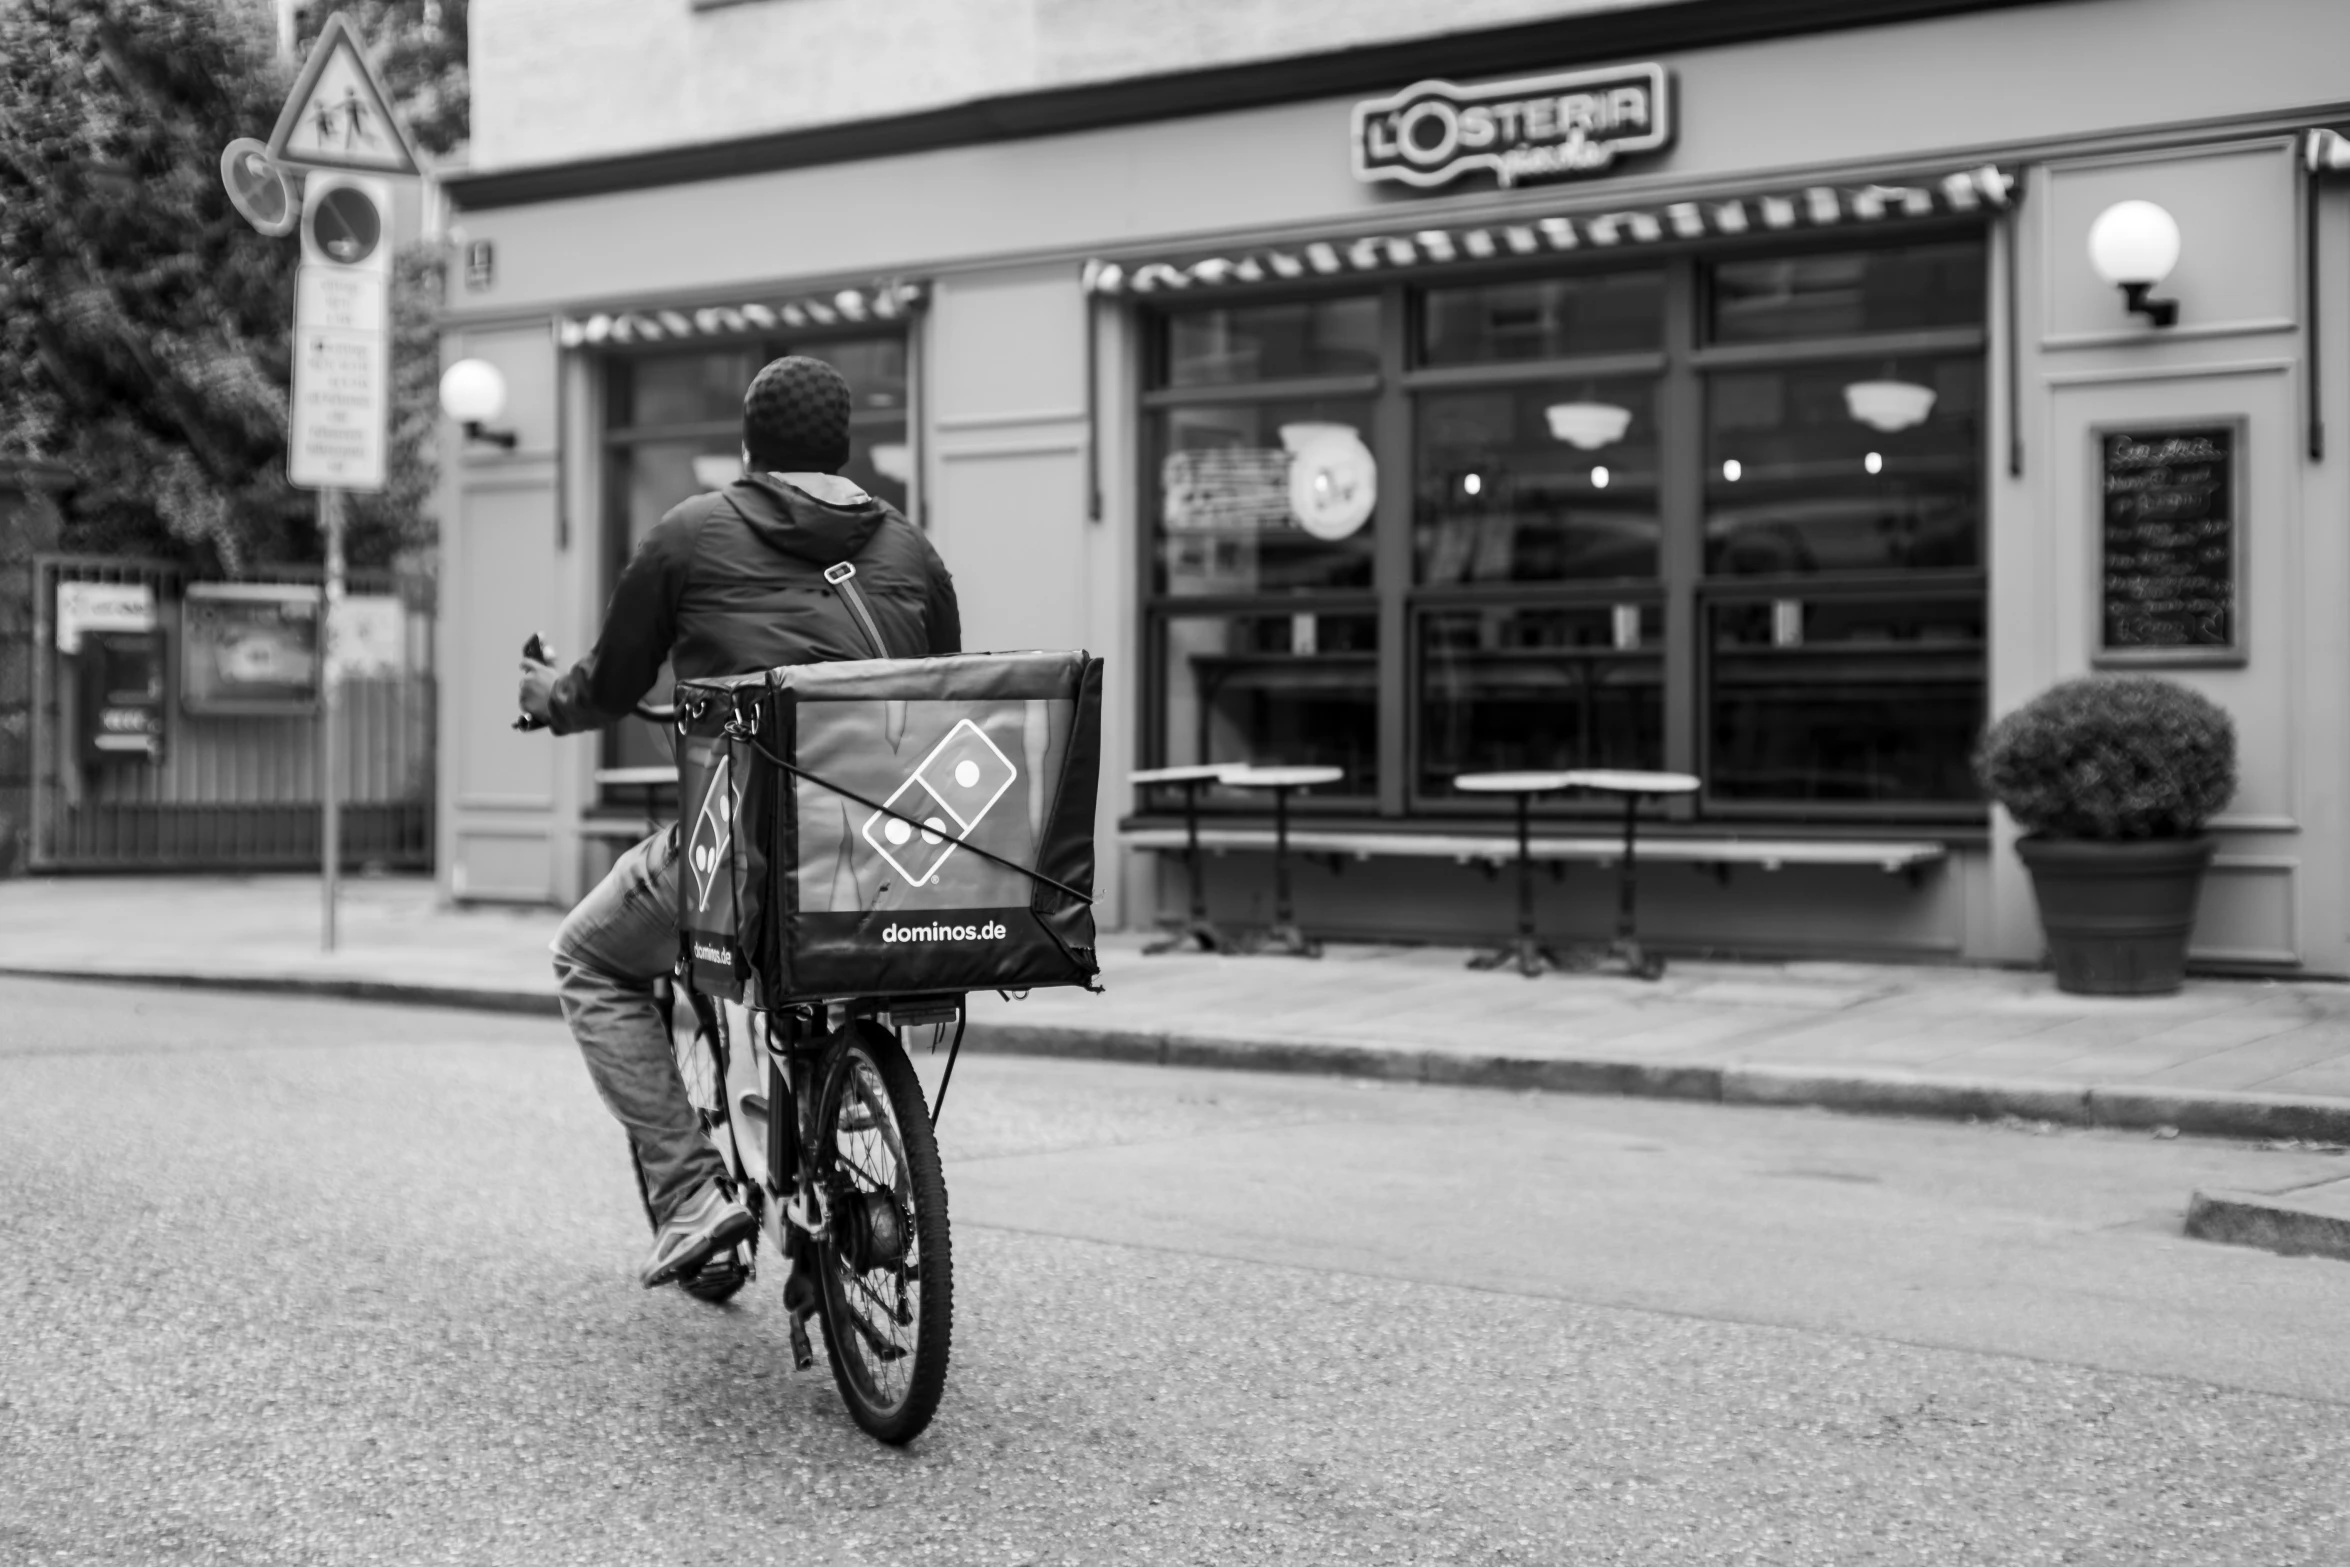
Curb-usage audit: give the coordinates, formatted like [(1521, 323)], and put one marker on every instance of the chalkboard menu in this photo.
[(2171, 555)]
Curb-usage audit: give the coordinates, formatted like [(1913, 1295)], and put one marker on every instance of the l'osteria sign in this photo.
[(1533, 128)]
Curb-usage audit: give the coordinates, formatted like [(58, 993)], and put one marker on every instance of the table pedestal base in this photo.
[(1637, 961), (1192, 935), (1528, 955), (1285, 940)]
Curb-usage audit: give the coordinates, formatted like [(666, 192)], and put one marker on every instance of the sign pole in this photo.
[(338, 125), (330, 523)]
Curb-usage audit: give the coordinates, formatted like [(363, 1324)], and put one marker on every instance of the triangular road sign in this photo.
[(339, 116)]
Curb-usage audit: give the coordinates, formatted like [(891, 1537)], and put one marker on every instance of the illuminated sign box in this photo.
[(249, 647), (1532, 128)]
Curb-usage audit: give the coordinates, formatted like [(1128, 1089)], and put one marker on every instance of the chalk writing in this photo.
[(2168, 574)]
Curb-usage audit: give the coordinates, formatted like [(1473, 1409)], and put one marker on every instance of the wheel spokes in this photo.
[(868, 1154)]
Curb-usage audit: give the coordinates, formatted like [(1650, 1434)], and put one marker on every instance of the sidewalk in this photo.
[(2242, 1058)]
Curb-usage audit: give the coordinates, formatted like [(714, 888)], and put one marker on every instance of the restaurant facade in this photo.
[(1730, 390)]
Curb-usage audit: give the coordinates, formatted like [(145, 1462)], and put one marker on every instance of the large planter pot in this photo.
[(2117, 914)]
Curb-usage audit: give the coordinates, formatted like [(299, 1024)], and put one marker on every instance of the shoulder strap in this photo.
[(843, 578)]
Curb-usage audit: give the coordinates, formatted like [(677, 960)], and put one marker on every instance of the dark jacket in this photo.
[(733, 581)]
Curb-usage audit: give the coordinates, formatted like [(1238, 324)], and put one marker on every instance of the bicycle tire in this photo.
[(888, 1352)]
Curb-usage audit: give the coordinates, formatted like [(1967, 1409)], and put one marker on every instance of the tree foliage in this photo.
[(144, 341)]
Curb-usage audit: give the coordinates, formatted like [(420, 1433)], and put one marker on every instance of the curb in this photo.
[(2210, 1113), (392, 992), (2206, 1112), (2272, 1223)]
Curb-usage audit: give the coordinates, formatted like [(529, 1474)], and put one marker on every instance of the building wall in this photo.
[(2275, 894), (555, 80), (512, 564), (2188, 104), (1939, 91)]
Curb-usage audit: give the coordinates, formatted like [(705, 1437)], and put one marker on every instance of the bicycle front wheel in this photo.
[(885, 1270)]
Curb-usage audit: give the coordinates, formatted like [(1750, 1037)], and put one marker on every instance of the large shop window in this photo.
[(1718, 514), (673, 428)]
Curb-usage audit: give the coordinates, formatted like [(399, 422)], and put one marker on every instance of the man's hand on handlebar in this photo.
[(538, 685)]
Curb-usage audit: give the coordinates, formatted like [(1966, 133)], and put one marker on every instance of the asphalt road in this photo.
[(300, 1282)]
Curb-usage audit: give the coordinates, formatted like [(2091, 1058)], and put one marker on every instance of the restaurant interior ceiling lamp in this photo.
[(2134, 245), (1587, 426), (473, 392), (1888, 405)]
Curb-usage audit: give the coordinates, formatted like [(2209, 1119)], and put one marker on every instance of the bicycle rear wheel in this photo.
[(885, 1269)]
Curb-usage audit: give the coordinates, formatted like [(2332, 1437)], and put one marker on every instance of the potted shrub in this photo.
[(2111, 779)]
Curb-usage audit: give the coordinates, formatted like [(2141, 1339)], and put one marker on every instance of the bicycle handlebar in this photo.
[(537, 652)]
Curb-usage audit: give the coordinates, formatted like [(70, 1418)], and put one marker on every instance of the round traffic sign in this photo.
[(346, 226), (257, 187)]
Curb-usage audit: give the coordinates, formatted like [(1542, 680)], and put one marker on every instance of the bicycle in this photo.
[(846, 1184)]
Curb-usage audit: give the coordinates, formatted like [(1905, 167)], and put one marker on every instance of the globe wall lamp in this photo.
[(2134, 245), (473, 392)]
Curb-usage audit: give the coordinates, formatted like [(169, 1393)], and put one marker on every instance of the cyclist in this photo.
[(730, 582)]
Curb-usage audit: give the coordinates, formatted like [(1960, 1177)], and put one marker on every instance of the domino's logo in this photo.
[(713, 832), (958, 783)]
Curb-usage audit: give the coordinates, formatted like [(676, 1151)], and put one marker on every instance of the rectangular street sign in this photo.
[(342, 385), (341, 300)]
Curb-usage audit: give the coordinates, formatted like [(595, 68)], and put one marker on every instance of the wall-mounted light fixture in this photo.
[(473, 393), (2323, 152), (2134, 245)]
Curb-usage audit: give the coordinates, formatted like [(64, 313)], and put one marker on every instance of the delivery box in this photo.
[(891, 827)]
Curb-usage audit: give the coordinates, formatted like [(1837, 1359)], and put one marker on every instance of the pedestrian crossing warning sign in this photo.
[(338, 116)]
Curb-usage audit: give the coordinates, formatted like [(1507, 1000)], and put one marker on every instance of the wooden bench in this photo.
[(1895, 856)]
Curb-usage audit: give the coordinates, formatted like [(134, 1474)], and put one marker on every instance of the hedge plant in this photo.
[(2111, 757)]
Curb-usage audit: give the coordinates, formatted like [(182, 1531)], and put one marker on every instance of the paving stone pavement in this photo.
[(2267, 1058)]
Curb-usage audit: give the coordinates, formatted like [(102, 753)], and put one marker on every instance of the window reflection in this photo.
[(1537, 483), (1845, 700), (1543, 318), (1906, 289), (1506, 689), (1271, 342), (1264, 497), (646, 476), (1297, 689), (701, 387), (1848, 466)]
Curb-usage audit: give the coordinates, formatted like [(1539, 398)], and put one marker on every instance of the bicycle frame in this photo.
[(787, 1060)]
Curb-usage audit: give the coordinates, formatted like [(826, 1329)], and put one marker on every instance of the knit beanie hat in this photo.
[(796, 417)]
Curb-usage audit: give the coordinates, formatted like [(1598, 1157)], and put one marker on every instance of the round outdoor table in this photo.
[(652, 780), (1197, 927), (1284, 936), (1633, 787), (1525, 949)]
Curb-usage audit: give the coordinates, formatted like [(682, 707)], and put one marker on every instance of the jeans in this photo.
[(612, 947)]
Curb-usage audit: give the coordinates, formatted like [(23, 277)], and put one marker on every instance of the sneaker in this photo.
[(702, 1223)]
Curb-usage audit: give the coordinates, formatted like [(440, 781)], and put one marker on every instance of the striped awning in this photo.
[(890, 300), (1988, 188)]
